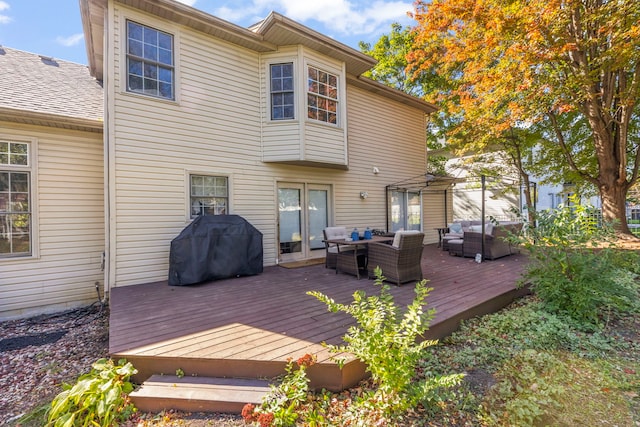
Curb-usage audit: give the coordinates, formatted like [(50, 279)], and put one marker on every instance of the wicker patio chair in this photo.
[(400, 261), (331, 249)]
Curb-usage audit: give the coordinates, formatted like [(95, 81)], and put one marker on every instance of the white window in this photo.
[(282, 92), (15, 200), (150, 63), (209, 195), (322, 96)]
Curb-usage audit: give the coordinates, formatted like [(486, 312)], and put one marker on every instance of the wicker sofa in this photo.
[(399, 261), (495, 243)]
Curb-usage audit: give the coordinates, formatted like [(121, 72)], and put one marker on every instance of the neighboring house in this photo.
[(502, 196), (272, 123), (51, 185)]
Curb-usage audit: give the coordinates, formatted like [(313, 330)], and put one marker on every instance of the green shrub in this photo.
[(491, 340), (99, 398), (390, 343), (574, 268)]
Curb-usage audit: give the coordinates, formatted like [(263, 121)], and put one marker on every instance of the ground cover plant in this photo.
[(528, 367)]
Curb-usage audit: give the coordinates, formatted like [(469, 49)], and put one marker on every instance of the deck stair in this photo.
[(198, 394)]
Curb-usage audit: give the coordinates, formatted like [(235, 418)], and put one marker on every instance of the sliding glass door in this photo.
[(303, 212), (406, 210)]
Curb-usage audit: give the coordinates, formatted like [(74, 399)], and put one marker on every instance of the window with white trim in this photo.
[(209, 195), (150, 63), (15, 200), (322, 96), (282, 91)]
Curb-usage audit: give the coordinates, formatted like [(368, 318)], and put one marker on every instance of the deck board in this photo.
[(270, 318)]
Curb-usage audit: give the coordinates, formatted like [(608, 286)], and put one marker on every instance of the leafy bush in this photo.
[(575, 269), (390, 344), (99, 398)]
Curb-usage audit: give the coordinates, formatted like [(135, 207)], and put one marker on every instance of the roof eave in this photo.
[(389, 92), (51, 120), (276, 27)]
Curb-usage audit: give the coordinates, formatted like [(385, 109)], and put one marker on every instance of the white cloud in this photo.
[(72, 40), (338, 19), (188, 2), (344, 16), (4, 19), (229, 14)]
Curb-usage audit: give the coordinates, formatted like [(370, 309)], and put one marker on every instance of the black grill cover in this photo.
[(215, 247)]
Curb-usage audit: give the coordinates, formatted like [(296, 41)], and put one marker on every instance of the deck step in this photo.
[(198, 394)]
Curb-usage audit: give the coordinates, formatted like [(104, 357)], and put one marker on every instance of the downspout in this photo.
[(386, 206), (109, 198), (483, 180), (446, 214)]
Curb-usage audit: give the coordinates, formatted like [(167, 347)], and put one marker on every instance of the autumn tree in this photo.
[(559, 65)]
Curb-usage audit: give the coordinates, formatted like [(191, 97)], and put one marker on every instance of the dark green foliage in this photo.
[(99, 398), (574, 268)]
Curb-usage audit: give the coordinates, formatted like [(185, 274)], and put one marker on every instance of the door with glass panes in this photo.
[(303, 212)]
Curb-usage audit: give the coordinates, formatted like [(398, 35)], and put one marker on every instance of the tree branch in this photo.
[(567, 152)]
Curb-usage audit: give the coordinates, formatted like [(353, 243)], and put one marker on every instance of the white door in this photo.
[(303, 212)]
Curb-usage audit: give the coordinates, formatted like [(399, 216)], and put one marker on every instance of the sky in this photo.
[(53, 27)]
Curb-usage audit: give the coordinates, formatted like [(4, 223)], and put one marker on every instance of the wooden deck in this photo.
[(249, 327)]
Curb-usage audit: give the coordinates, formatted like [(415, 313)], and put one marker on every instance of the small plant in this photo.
[(281, 407), (391, 344), (99, 398)]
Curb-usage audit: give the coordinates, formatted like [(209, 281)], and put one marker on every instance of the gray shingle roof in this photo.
[(47, 86)]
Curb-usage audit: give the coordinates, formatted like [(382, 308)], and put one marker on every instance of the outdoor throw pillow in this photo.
[(455, 227), (396, 238)]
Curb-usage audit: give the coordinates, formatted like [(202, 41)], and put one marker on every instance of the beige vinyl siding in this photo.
[(434, 215), (69, 219), (282, 142), (324, 143), (213, 128)]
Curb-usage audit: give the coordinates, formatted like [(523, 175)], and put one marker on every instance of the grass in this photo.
[(526, 367)]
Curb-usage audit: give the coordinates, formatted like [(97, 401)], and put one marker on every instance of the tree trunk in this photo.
[(526, 183), (614, 206)]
